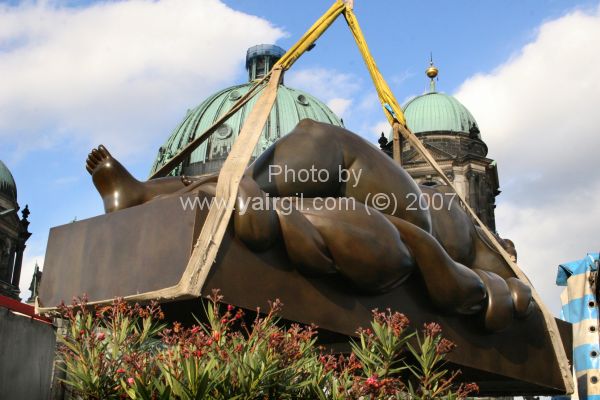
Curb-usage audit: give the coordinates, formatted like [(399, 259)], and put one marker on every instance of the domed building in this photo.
[(446, 127), (13, 235), (449, 131), (291, 106)]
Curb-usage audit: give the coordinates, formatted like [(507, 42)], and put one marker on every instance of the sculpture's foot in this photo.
[(115, 184), (506, 300)]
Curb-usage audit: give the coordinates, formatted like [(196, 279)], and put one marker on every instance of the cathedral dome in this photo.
[(438, 112), (291, 106), (8, 187)]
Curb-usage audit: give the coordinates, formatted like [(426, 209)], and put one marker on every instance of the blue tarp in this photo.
[(580, 307)]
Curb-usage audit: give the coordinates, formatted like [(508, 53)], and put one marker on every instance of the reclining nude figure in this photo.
[(375, 248)]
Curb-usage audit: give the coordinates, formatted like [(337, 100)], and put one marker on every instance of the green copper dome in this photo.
[(7, 182), (291, 106), (438, 112)]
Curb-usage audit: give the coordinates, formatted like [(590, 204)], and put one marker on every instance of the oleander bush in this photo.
[(125, 351)]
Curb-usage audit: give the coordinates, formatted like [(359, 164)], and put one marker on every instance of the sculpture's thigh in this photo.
[(361, 243)]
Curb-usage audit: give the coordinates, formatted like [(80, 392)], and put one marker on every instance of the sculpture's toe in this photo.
[(104, 151), (96, 158), (96, 155), (90, 165)]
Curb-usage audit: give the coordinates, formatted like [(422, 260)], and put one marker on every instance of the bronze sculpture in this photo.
[(375, 247)]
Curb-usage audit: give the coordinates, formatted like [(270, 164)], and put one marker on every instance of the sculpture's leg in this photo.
[(254, 218), (451, 285), (454, 287), (324, 236), (466, 244), (363, 245), (488, 258), (304, 245), (451, 225), (118, 188)]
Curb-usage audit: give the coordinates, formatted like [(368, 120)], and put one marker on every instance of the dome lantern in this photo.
[(261, 58)]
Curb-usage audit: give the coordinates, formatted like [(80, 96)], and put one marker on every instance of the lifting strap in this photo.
[(219, 214), (311, 35)]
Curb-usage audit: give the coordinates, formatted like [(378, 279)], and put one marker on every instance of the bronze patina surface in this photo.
[(374, 246), (131, 251), (330, 265)]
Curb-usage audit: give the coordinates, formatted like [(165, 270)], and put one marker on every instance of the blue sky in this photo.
[(466, 37), (78, 74)]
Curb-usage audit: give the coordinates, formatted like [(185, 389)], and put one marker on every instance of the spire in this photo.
[(432, 73), (35, 283)]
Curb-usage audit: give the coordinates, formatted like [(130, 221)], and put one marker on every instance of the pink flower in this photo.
[(101, 336), (131, 381), (373, 381), (230, 307), (120, 371), (432, 329), (444, 346)]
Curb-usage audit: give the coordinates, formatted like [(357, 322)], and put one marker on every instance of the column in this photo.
[(16, 275)]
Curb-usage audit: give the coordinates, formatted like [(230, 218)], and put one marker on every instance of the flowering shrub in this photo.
[(124, 351)]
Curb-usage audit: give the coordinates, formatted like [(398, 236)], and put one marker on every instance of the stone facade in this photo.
[(13, 235), (463, 158)]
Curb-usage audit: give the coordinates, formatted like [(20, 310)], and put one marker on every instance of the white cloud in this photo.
[(369, 101), (381, 126), (115, 72), (323, 83), (551, 234), (538, 113), (339, 105), (334, 88), (347, 95)]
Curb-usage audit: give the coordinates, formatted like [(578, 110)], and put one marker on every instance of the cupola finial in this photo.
[(432, 73)]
